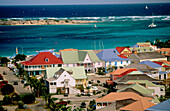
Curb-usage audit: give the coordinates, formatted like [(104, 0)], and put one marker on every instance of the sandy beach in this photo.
[(43, 22)]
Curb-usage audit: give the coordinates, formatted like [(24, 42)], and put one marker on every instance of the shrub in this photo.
[(98, 81), (98, 92), (95, 84), (7, 89), (6, 100), (66, 21), (20, 104), (78, 95), (28, 98), (90, 82)]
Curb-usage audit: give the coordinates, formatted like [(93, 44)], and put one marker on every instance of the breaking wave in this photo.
[(109, 18)]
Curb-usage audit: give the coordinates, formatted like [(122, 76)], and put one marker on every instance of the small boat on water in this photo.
[(152, 25), (146, 7), (95, 26)]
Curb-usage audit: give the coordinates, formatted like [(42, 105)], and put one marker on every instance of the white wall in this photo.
[(158, 90)]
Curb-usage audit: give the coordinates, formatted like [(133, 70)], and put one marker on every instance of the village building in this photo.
[(124, 51), (146, 56), (163, 106), (155, 89), (165, 66), (139, 105), (120, 73), (118, 100), (86, 58), (165, 52), (38, 63), (111, 60), (77, 73), (138, 89), (144, 68), (142, 49), (62, 81)]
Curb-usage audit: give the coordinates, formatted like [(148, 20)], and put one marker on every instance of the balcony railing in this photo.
[(32, 69)]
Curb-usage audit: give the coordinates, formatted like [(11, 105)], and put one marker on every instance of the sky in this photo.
[(72, 2)]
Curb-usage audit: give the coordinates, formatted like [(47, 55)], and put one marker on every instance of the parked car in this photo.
[(15, 83)]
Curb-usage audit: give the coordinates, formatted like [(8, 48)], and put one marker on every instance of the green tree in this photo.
[(91, 105), (7, 89), (7, 99), (4, 60), (20, 104), (20, 57)]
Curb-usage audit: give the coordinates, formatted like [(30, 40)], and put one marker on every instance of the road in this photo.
[(10, 77)]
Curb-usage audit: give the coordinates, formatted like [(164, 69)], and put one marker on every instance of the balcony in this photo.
[(33, 69)]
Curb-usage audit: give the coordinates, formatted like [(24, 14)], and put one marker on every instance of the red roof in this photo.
[(122, 56), (120, 49), (43, 58), (165, 66), (122, 72), (158, 62)]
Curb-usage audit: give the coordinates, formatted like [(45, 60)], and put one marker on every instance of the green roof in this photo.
[(78, 72), (78, 56), (144, 43), (148, 83), (143, 49), (138, 88), (136, 72)]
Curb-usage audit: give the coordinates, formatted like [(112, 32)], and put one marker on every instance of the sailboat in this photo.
[(152, 25), (95, 26), (146, 7)]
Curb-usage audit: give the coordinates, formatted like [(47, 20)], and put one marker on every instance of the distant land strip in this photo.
[(44, 22)]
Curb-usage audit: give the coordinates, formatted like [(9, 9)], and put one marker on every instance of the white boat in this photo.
[(152, 25), (146, 7), (95, 26)]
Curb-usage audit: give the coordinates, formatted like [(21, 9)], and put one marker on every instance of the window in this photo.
[(104, 104), (59, 65), (115, 63), (127, 61), (74, 65), (99, 104), (159, 76), (161, 89), (51, 83), (145, 50), (98, 63), (150, 49), (164, 76), (64, 75), (114, 51), (67, 65), (139, 50), (121, 62), (55, 83), (109, 63), (46, 60)]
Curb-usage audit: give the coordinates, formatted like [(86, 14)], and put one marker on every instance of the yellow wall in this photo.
[(125, 51)]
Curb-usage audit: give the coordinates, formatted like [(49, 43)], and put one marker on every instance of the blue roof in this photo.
[(163, 106), (109, 55), (150, 63), (162, 72), (136, 45)]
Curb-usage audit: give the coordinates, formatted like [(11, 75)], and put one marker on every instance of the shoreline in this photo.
[(45, 22)]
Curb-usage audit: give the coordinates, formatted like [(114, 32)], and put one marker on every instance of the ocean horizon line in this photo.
[(87, 4)]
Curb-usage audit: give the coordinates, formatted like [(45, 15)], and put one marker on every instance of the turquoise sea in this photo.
[(110, 32)]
